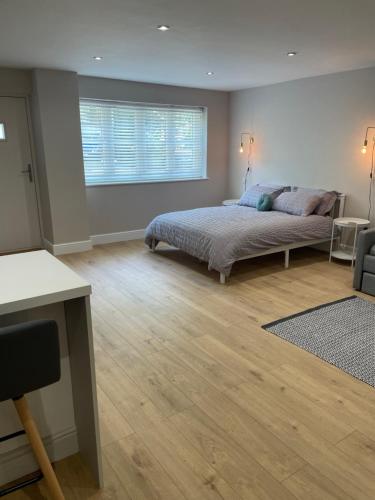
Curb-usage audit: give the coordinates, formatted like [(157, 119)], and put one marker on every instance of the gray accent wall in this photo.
[(15, 82), (307, 132), (132, 206)]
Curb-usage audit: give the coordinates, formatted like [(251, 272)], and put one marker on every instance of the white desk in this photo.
[(37, 285)]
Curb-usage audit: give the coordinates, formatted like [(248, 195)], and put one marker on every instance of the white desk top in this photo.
[(34, 279)]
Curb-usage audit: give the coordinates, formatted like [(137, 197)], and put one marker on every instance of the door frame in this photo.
[(26, 99)]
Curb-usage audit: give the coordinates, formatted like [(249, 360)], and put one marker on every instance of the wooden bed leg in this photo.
[(222, 278), (286, 262), (153, 245)]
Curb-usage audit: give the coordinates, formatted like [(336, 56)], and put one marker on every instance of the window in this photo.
[(2, 132), (129, 142)]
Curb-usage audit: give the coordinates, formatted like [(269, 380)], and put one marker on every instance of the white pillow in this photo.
[(296, 203), (327, 199)]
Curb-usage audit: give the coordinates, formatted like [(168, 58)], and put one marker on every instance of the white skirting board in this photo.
[(102, 239), (19, 461), (96, 239), (64, 248)]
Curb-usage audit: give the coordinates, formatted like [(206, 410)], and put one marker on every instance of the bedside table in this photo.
[(230, 202), (345, 251)]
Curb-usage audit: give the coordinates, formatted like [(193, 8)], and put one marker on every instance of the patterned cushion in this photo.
[(328, 199), (251, 197), (296, 203)]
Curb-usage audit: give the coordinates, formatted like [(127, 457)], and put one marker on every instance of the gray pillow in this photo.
[(327, 199), (296, 203), (316, 191), (326, 204), (251, 197)]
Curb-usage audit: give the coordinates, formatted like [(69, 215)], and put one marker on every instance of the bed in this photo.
[(223, 235)]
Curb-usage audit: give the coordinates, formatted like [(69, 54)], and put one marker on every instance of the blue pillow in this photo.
[(265, 202)]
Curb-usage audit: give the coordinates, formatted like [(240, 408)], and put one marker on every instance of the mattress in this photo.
[(222, 235)]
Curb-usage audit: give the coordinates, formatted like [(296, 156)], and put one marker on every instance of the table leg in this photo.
[(286, 259), (82, 366), (331, 248), (354, 244)]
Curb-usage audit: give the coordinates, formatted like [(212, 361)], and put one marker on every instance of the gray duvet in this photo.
[(222, 235)]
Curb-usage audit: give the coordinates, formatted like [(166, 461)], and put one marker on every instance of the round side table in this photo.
[(344, 251), (230, 202)]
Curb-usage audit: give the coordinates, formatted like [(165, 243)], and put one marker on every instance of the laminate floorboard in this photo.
[(198, 402)]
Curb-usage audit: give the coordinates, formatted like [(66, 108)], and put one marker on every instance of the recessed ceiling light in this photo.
[(291, 53), (163, 27), (210, 73), (97, 58)]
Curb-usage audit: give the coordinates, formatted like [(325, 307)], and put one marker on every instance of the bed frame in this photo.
[(337, 211)]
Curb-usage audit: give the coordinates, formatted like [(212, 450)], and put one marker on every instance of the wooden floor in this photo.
[(198, 402)]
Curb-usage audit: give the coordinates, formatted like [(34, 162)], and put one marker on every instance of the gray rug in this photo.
[(341, 332)]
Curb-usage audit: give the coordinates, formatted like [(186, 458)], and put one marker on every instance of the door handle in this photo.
[(29, 172)]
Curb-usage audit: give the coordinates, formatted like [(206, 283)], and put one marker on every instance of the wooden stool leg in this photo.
[(37, 445)]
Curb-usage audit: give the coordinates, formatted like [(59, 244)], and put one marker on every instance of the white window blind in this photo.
[(130, 142)]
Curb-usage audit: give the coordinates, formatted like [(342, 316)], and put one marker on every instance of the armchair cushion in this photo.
[(368, 283), (369, 264), (366, 244), (367, 239)]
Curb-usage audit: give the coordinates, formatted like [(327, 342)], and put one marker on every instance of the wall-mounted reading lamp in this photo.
[(250, 139), (364, 147), (249, 142), (364, 151)]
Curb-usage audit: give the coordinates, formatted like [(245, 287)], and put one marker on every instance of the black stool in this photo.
[(30, 360)]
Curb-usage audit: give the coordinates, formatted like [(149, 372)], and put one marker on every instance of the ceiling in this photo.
[(244, 42)]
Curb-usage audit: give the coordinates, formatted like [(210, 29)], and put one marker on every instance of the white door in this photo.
[(19, 221)]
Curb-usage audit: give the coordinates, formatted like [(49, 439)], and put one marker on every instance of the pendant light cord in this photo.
[(249, 162), (371, 181), (246, 176)]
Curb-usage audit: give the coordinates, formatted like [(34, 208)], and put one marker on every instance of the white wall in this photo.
[(132, 206), (307, 132), (57, 133)]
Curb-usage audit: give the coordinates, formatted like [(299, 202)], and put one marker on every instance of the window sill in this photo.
[(164, 181)]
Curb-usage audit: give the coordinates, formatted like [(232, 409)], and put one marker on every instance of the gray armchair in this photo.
[(364, 273)]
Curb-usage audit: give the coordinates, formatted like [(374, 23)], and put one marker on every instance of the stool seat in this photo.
[(29, 357)]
